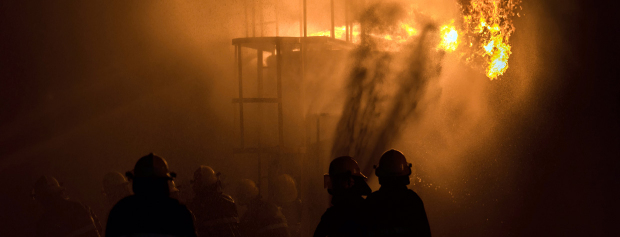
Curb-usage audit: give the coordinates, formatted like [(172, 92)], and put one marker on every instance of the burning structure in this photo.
[(390, 55)]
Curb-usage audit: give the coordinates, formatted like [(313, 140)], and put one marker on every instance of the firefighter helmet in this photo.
[(205, 176), (151, 166), (345, 165), (246, 191), (392, 164), (46, 186), (113, 180), (284, 189)]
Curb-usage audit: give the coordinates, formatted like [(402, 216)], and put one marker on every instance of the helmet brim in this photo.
[(360, 175)]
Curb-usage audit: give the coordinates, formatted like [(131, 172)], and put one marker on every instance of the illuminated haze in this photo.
[(91, 86)]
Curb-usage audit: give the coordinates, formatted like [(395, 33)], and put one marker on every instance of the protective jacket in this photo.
[(396, 211), (263, 219), (344, 218), (216, 215), (68, 218), (292, 212), (142, 215)]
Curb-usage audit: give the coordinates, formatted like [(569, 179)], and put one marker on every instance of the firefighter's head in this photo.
[(283, 189), (345, 177), (206, 180), (115, 187), (393, 169), (151, 176), (246, 191), (47, 190)]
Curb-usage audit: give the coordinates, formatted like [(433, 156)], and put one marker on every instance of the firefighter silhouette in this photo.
[(62, 217), (283, 192), (394, 209), (115, 187), (347, 185), (262, 218), (215, 212), (150, 211)]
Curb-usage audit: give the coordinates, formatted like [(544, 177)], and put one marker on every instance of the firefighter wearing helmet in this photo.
[(262, 218), (395, 209), (283, 192), (215, 212), (115, 187), (347, 185), (150, 211), (62, 217)]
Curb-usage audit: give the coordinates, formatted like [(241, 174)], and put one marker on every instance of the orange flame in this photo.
[(400, 35), (488, 26), (406, 32), (338, 31), (449, 38)]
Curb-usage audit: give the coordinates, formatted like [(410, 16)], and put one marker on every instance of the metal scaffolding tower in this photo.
[(287, 61)]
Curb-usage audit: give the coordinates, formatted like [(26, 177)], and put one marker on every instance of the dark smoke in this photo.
[(384, 88)]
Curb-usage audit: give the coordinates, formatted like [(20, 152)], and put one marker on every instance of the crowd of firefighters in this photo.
[(145, 203)]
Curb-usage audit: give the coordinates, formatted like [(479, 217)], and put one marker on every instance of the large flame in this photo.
[(401, 34), (405, 33), (488, 26), (340, 32), (398, 35), (486, 29)]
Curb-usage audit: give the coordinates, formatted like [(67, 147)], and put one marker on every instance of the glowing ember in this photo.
[(449, 38)]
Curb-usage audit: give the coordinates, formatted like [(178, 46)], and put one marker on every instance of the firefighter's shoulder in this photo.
[(412, 195), (330, 214), (125, 203), (127, 200)]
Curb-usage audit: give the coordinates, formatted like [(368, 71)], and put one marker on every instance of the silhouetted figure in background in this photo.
[(283, 192), (347, 185), (115, 188), (262, 218), (396, 210), (62, 217), (150, 211), (215, 212)]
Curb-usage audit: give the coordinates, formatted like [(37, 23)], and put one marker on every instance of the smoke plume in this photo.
[(384, 87)]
